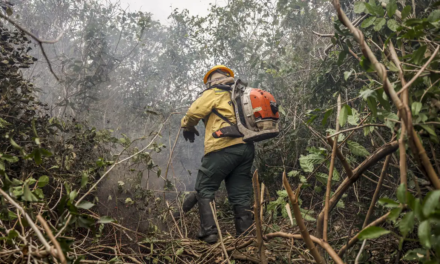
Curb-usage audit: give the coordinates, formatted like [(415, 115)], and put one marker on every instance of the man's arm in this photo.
[(198, 110)]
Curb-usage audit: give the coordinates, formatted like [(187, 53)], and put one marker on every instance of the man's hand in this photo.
[(188, 134)]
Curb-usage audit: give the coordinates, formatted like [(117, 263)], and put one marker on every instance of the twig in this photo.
[(420, 71), (174, 220), (356, 261), (52, 238), (171, 153), (320, 242), (355, 239), (214, 213), (343, 187), (40, 41), (31, 223), (342, 159), (300, 222), (258, 226), (355, 128), (377, 191), (330, 175)]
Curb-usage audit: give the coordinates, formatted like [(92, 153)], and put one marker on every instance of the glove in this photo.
[(189, 134)]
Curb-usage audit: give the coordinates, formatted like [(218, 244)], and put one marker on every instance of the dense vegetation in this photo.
[(92, 161)]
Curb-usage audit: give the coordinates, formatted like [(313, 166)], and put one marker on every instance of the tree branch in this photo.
[(299, 220), (37, 39)]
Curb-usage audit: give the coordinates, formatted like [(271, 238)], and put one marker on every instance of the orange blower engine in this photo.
[(256, 111)]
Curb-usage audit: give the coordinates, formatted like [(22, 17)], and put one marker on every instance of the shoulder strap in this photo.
[(222, 117)]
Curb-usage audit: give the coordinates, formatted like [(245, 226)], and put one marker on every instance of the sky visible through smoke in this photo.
[(161, 9)]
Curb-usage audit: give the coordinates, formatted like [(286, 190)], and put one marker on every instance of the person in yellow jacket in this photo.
[(226, 158)]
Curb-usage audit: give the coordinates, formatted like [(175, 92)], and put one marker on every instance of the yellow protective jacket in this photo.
[(202, 109)]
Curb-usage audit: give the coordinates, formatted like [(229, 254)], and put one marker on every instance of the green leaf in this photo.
[(434, 16), (281, 110), (416, 107), (9, 11), (359, 7), (368, 22), (372, 105), (2, 165), (43, 181), (28, 195), (73, 195), (129, 201), (372, 232), (179, 251), (357, 149), (393, 25), (401, 193), (391, 8), (429, 129), (342, 56), (293, 173), (406, 225), (419, 55), (307, 162), (424, 233), (105, 220), (415, 254), (406, 11), (347, 74), (14, 144), (379, 23), (388, 117), (9, 158), (85, 205), (394, 214), (84, 179), (343, 115), (4, 123), (387, 202), (353, 119), (326, 116), (365, 94), (431, 202), (45, 152)]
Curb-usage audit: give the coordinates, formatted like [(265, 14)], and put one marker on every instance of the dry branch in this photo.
[(300, 222), (342, 159), (330, 175), (355, 239), (214, 214), (259, 228), (377, 191), (320, 242), (367, 163)]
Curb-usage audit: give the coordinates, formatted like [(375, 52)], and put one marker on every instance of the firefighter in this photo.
[(226, 158)]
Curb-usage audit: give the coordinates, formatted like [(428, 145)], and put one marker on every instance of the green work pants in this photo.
[(233, 165)]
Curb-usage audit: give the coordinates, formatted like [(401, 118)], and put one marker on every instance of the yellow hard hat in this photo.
[(218, 67)]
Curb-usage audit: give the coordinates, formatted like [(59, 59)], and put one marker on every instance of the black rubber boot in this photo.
[(189, 202), (208, 230), (243, 220)]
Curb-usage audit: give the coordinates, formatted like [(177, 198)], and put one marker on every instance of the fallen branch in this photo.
[(52, 238), (40, 236), (214, 213), (318, 241)]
